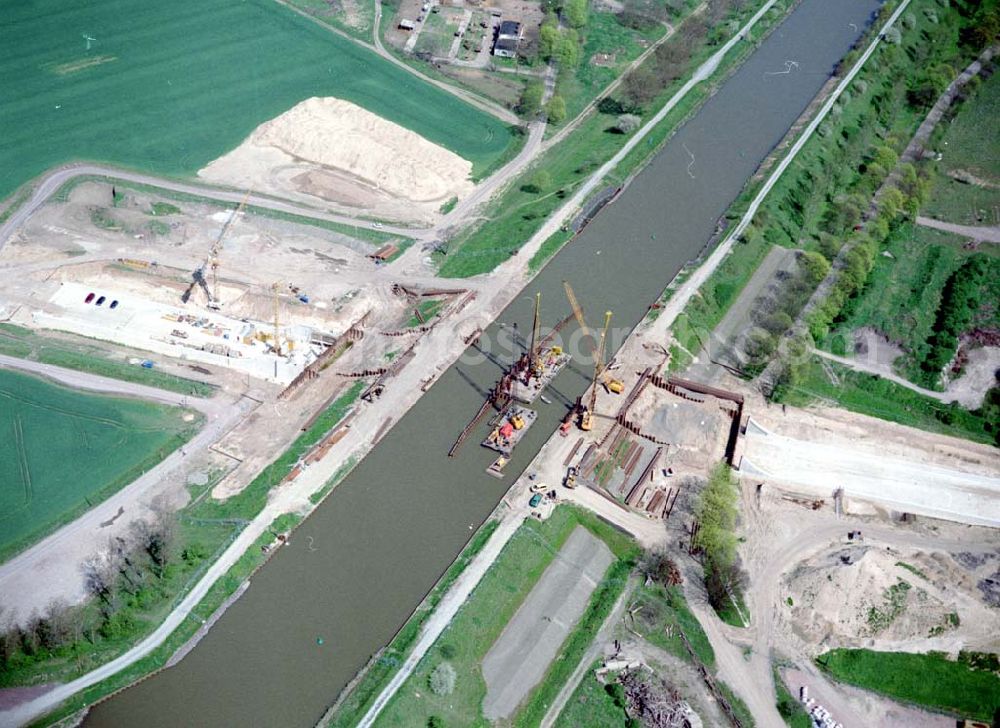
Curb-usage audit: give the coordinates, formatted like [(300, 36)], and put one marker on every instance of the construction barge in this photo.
[(539, 374), (509, 427)]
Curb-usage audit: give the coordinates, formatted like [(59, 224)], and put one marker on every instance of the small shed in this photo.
[(405, 24), (384, 253)]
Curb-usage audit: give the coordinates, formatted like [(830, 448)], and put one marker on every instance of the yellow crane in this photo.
[(276, 346), (213, 254), (577, 311), (587, 418), (615, 386)]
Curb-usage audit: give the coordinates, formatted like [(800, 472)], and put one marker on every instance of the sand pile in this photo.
[(341, 153), (862, 593)]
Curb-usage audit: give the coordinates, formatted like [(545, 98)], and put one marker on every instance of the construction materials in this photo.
[(509, 428)]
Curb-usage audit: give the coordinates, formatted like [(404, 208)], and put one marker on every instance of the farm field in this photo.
[(62, 451), (167, 88)]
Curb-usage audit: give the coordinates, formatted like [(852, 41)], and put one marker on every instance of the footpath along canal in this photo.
[(366, 557)]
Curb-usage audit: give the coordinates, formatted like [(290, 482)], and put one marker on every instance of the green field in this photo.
[(931, 680), (168, 87), (63, 451), (904, 292), (970, 143)]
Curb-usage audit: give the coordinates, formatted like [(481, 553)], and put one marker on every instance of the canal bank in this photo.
[(369, 553)]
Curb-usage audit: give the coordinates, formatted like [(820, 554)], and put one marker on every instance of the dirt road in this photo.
[(984, 233), (869, 473), (885, 372)]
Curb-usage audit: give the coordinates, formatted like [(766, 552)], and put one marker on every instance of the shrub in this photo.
[(442, 679)]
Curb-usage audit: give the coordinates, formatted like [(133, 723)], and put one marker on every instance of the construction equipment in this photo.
[(212, 261), (535, 366), (577, 311), (275, 287), (587, 417)]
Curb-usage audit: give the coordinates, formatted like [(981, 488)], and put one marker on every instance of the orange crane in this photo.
[(587, 418)]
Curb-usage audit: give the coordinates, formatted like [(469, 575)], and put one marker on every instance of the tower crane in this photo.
[(587, 418), (212, 261), (275, 287)]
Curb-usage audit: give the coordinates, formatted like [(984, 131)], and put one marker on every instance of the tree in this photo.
[(555, 110), (814, 265), (548, 38), (567, 51), (442, 679), (530, 102), (627, 123), (574, 12), (659, 567)]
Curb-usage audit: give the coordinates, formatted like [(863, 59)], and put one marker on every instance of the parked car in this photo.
[(114, 304), (538, 488), (100, 301), (535, 500), (89, 298)]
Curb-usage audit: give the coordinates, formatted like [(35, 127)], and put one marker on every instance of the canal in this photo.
[(360, 564)]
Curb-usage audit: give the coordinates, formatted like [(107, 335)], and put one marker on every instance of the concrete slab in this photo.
[(517, 661)]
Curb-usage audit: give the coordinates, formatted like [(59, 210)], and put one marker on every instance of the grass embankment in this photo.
[(145, 589), (593, 704), (55, 453), (376, 237), (248, 502), (965, 689), (968, 148), (514, 216), (210, 98), (871, 395), (85, 357), (488, 610), (789, 708)]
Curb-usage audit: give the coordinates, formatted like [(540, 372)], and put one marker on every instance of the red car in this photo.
[(89, 298)]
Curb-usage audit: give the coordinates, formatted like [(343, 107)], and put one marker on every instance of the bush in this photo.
[(627, 123), (442, 679)]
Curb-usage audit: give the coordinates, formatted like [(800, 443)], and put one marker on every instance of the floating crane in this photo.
[(577, 311), (587, 417)]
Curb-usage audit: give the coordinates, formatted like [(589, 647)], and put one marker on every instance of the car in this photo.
[(535, 500), (89, 298), (114, 304), (100, 301), (538, 488)]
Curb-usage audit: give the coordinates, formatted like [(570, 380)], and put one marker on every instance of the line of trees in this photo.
[(960, 299), (717, 514), (123, 580)]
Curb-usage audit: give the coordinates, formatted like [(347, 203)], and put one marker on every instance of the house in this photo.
[(405, 24), (505, 48), (510, 29)]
